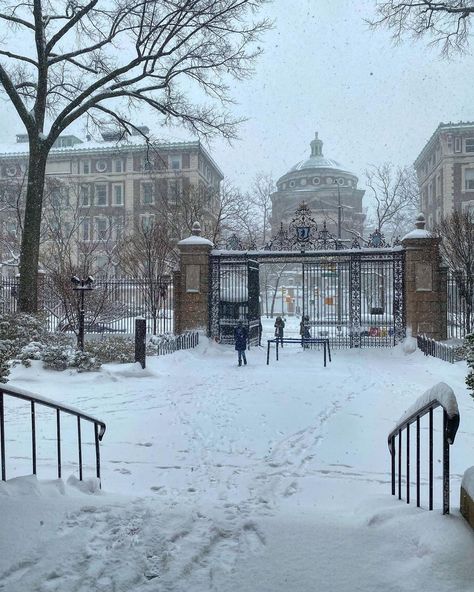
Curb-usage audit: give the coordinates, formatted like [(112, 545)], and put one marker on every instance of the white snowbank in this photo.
[(196, 240), (418, 233)]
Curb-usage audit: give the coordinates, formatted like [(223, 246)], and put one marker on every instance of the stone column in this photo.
[(425, 283), (191, 283)]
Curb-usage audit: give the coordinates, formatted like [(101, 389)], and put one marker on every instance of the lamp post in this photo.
[(81, 286)]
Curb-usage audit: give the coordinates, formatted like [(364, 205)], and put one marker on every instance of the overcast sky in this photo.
[(324, 70)]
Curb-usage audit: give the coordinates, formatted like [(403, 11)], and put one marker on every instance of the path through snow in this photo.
[(231, 479)]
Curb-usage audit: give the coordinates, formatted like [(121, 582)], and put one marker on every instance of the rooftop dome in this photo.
[(317, 160)]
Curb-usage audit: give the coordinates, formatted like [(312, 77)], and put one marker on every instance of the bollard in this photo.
[(140, 341)]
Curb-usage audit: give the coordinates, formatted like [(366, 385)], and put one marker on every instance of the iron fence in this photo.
[(111, 307), (460, 305), (443, 351), (167, 344), (34, 402), (439, 396)]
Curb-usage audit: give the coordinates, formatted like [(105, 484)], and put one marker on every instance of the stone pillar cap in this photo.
[(419, 231), (196, 238)]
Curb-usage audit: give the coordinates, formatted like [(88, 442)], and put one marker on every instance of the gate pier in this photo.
[(425, 283), (191, 281)]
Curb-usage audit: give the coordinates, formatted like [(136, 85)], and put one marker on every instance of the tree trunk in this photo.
[(30, 241)]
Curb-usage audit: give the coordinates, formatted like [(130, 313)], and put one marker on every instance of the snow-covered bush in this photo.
[(469, 341), (5, 356), (57, 357), (21, 329), (84, 361), (112, 349)]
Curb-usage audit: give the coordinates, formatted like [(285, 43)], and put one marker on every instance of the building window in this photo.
[(11, 170), (101, 226), (316, 180), (118, 194), (469, 179), (86, 229), (86, 195), (468, 207), (329, 180), (118, 229), (174, 190), (147, 194), (86, 167), (118, 166), (469, 144), (175, 163), (101, 166), (101, 195), (147, 221), (292, 183)]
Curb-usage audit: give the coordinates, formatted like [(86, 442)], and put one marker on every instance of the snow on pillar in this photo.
[(425, 283), (191, 283)]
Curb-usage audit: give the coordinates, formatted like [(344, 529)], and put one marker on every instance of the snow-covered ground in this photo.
[(260, 478)]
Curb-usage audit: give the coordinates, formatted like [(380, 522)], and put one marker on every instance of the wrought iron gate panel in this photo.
[(354, 297), (234, 296), (354, 314)]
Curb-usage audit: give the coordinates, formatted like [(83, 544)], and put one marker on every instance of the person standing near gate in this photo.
[(304, 329), (240, 337), (279, 326)]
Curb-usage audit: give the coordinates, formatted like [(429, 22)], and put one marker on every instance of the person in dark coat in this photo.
[(304, 329), (240, 337), (279, 326)]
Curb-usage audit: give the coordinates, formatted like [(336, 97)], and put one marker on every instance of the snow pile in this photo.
[(232, 479), (409, 344), (468, 482)]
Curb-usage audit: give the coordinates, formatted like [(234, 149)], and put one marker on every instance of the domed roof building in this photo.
[(323, 184)]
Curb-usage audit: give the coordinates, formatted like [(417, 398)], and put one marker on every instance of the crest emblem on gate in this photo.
[(302, 233)]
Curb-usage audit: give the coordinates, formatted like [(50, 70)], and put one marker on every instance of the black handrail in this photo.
[(438, 396), (99, 428)]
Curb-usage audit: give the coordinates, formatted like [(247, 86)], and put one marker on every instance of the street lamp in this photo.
[(81, 285)]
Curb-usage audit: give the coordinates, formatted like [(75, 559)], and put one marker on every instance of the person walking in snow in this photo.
[(240, 337), (279, 326)]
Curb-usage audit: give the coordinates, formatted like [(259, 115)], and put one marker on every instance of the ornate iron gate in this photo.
[(233, 297), (352, 291), (353, 297)]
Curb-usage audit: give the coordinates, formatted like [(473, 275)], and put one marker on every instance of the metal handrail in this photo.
[(99, 428), (450, 427)]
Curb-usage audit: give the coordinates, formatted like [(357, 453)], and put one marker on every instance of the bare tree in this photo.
[(446, 23), (102, 60), (396, 197), (261, 192), (457, 249), (148, 255)]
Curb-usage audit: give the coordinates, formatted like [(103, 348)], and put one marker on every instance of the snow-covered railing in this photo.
[(34, 400), (440, 395), (443, 351), (168, 344)]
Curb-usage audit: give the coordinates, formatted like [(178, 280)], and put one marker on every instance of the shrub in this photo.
[(57, 357), (112, 349)]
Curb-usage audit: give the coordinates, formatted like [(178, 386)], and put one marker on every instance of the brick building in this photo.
[(99, 191), (445, 170)]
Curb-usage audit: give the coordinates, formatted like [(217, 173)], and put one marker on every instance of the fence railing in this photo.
[(441, 395), (437, 349), (460, 305), (35, 400), (162, 346), (111, 307)]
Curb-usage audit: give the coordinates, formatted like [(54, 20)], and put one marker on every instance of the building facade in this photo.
[(98, 192), (326, 187), (445, 170)]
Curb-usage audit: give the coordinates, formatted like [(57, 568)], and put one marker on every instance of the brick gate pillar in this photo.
[(425, 283), (191, 283)]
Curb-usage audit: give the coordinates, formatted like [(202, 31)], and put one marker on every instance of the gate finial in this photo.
[(420, 221), (196, 230)]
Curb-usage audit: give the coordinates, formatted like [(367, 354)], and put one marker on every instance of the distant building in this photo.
[(445, 170), (323, 184), (108, 188)]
